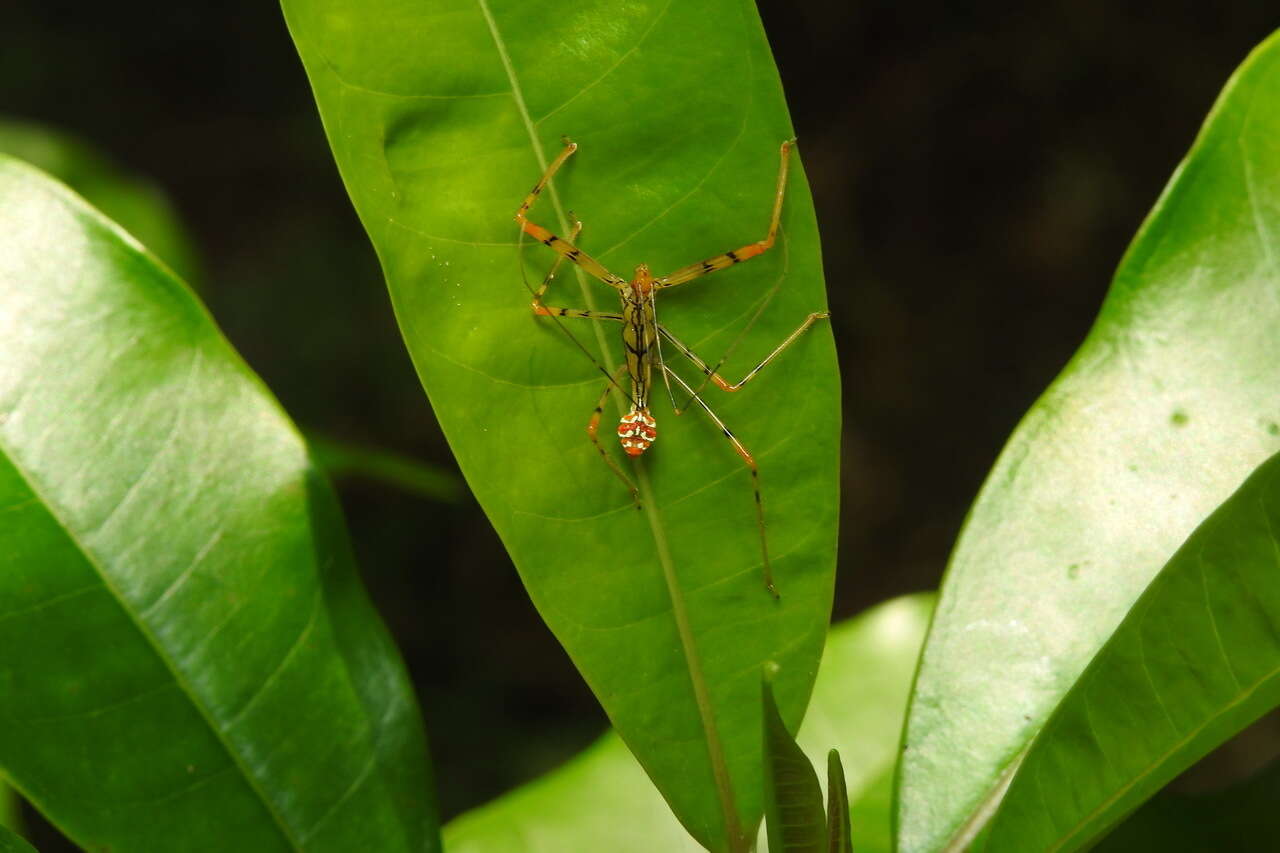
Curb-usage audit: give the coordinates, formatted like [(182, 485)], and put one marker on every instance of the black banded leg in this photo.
[(569, 148), (755, 477), (746, 252), (720, 381), (578, 313), (564, 248), (593, 427), (555, 267), (551, 311)]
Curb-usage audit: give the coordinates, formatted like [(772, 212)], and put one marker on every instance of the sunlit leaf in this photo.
[(1169, 404), (131, 201), (187, 659), (1196, 660)]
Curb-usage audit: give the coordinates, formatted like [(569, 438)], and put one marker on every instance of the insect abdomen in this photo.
[(637, 431)]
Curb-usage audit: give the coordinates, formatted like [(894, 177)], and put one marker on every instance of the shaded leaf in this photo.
[(838, 837), (1241, 817), (11, 843), (209, 673), (793, 813), (1169, 404), (679, 113), (1196, 660), (601, 800)]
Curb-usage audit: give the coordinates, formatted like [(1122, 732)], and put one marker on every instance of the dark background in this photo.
[(978, 168)]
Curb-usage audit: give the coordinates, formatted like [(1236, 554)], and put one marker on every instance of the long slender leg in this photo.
[(748, 251), (564, 247), (719, 380), (550, 311), (755, 477), (555, 267), (593, 426)]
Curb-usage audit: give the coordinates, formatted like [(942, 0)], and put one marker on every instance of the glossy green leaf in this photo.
[(11, 843), (187, 659), (132, 202), (441, 117), (793, 813), (1169, 404), (1196, 660), (838, 837), (602, 801), (1241, 817)]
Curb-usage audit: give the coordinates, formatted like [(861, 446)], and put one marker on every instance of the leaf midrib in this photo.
[(688, 645)]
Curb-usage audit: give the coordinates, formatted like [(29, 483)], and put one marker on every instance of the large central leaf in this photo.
[(441, 116)]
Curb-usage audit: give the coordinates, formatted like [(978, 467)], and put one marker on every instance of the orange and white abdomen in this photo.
[(637, 431)]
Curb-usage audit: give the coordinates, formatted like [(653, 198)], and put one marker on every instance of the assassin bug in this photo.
[(642, 336)]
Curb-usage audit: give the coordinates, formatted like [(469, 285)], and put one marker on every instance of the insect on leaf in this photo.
[(1168, 405), (441, 117)]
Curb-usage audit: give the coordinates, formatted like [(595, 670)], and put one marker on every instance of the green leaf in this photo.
[(1195, 661), (1169, 404), (838, 837), (208, 671), (441, 116), (601, 800), (11, 843), (1241, 817), (134, 203), (793, 812)]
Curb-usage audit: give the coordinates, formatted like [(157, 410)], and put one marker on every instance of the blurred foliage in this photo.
[(10, 814), (137, 204), (977, 169), (341, 459)]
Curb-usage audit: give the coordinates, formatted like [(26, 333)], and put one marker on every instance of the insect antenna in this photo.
[(524, 276)]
